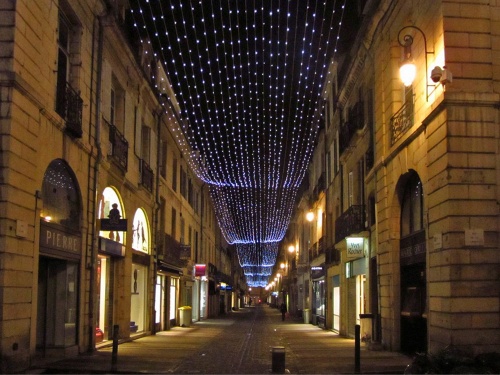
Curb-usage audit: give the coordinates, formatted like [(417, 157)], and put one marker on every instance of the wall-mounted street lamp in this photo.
[(310, 216), (291, 249), (408, 70)]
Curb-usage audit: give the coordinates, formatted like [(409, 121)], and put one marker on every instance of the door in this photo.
[(57, 304)]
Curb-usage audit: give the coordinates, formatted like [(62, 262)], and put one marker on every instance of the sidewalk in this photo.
[(238, 343)]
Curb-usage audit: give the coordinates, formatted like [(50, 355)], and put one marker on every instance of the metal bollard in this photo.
[(357, 349), (114, 354), (278, 359)]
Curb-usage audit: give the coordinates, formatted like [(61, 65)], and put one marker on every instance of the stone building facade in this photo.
[(104, 223), (412, 174)]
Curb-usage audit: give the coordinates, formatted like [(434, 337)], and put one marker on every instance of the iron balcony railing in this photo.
[(171, 251), (118, 147), (317, 249), (350, 222), (401, 122), (355, 122), (69, 106), (147, 175), (332, 255)]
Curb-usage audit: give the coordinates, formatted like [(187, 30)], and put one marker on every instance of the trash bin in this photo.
[(278, 359), (185, 316), (307, 316)]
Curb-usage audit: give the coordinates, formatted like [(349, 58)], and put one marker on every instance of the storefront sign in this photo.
[(119, 225), (317, 272), (355, 247), (200, 270), (56, 239), (111, 247)]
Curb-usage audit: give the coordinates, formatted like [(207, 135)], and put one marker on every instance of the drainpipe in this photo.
[(156, 214), (93, 261)]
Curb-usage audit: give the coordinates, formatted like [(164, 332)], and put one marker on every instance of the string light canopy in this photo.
[(247, 76)]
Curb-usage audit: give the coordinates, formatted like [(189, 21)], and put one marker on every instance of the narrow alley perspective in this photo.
[(247, 341)]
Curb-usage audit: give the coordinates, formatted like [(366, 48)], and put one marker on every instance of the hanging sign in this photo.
[(119, 225), (355, 247), (200, 270)]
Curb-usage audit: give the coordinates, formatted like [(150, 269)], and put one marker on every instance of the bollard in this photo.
[(278, 359), (114, 355), (357, 350)]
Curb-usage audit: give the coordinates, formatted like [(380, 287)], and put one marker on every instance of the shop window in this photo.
[(61, 198), (140, 232), (110, 201)]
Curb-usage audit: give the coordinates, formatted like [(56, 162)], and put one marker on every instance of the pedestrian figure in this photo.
[(283, 310)]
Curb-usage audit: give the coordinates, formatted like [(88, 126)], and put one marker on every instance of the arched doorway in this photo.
[(413, 267), (60, 256)]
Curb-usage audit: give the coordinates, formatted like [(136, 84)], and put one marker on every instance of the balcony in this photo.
[(320, 185), (317, 249), (350, 222), (332, 255), (118, 151), (69, 106), (172, 251), (401, 122), (147, 175), (349, 128)]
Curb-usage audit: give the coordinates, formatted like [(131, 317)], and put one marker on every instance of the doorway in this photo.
[(57, 305)]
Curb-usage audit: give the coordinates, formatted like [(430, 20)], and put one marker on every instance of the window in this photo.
[(190, 192), (174, 174), (174, 223), (412, 218), (350, 189), (184, 183), (371, 210), (163, 159), (117, 105), (183, 228), (336, 158), (63, 62), (68, 103), (146, 144)]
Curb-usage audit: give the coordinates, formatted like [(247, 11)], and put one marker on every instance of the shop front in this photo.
[(166, 295), (318, 295), (200, 300), (336, 308), (111, 252), (141, 260), (59, 263)]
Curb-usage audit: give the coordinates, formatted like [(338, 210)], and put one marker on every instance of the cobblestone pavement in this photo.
[(241, 342)]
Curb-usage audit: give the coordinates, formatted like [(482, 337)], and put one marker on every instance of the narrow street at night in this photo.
[(240, 342)]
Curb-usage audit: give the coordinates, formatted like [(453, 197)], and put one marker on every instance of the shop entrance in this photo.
[(412, 246), (57, 305)]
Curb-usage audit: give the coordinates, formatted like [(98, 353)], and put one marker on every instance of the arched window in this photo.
[(412, 217), (140, 232), (61, 198)]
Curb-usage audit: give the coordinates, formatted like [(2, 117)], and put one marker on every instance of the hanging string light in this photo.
[(247, 77)]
